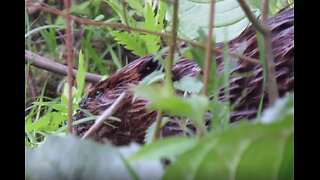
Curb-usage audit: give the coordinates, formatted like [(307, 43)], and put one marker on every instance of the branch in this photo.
[(124, 27), (262, 26), (52, 66), (272, 86), (107, 113), (208, 54), (67, 5)]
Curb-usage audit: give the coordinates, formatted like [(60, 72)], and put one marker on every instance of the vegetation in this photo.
[(122, 31)]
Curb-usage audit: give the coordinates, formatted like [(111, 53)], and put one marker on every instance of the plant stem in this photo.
[(169, 63), (67, 4), (208, 55), (272, 86), (156, 134)]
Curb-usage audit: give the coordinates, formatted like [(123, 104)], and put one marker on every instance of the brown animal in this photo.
[(135, 118)]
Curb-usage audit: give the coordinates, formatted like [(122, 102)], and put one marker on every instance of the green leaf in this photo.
[(193, 107), (72, 158), (229, 19), (152, 78), (151, 23), (131, 42), (99, 18), (166, 147), (80, 77), (243, 152), (188, 84), (49, 122)]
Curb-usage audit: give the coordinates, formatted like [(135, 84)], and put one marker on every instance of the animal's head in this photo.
[(107, 91)]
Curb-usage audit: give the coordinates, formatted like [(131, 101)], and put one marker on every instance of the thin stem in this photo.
[(55, 11), (156, 134), (207, 59), (272, 85), (169, 63), (67, 4), (107, 113), (262, 26), (208, 55)]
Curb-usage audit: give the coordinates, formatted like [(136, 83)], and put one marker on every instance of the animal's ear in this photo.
[(147, 68)]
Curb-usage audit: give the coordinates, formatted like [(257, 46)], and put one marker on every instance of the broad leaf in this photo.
[(166, 147), (259, 151), (229, 18)]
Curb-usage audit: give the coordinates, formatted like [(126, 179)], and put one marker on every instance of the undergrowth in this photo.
[(225, 151)]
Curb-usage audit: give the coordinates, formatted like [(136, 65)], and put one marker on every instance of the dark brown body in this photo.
[(135, 118)]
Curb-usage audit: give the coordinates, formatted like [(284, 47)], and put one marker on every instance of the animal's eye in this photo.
[(98, 92), (148, 68)]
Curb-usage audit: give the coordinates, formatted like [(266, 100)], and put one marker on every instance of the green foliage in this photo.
[(140, 43), (260, 150), (48, 117), (240, 153), (167, 147), (193, 107)]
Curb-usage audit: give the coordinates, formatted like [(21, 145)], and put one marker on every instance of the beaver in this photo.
[(135, 118)]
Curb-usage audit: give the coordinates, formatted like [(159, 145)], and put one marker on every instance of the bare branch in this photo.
[(52, 66)]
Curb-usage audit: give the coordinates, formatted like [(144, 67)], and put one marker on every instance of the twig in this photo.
[(272, 85), (52, 66), (207, 59), (67, 5), (55, 11), (169, 63), (156, 134), (111, 110)]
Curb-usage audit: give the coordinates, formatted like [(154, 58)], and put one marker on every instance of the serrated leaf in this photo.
[(151, 23), (166, 147), (131, 42), (188, 84), (243, 152)]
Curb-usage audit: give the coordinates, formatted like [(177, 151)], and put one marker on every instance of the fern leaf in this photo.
[(131, 42)]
